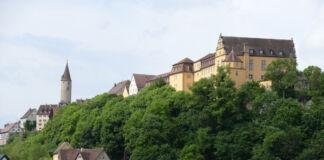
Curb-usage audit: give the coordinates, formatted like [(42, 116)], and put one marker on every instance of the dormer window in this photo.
[(271, 52), (261, 51), (280, 52), (251, 51)]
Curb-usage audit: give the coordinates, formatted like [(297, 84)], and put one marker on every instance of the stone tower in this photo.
[(66, 87)]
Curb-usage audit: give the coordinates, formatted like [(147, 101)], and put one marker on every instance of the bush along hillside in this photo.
[(215, 121)]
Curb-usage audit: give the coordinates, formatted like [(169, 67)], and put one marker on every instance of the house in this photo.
[(164, 76), (4, 157), (182, 75), (44, 114), (82, 154), (30, 115), (65, 145), (7, 130), (138, 82), (119, 87)]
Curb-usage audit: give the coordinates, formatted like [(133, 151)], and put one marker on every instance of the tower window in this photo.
[(188, 76), (251, 64), (250, 76), (251, 51), (236, 73)]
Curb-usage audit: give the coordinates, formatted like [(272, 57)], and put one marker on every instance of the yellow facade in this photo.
[(176, 81), (247, 60), (125, 93)]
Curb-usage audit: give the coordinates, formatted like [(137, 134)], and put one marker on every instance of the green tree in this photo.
[(30, 125), (283, 74)]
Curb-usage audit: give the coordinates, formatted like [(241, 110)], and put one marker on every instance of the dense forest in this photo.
[(214, 121)]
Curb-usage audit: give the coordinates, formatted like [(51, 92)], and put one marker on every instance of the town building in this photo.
[(66, 87), (7, 130), (44, 114), (120, 87), (182, 75), (138, 82), (64, 152), (30, 115)]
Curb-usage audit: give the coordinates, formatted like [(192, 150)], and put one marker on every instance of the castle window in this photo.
[(236, 73), (251, 64), (271, 52), (280, 52), (261, 51), (251, 51), (263, 65), (236, 64), (262, 77), (250, 76)]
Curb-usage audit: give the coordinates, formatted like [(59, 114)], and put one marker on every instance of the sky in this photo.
[(107, 41)]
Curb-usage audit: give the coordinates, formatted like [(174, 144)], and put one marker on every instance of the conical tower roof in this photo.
[(66, 75)]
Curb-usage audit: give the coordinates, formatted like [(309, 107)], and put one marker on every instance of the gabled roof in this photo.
[(66, 75), (237, 43), (3, 156), (231, 57), (164, 75), (87, 154), (140, 79), (119, 87), (65, 145), (185, 60), (8, 128), (209, 55), (28, 113)]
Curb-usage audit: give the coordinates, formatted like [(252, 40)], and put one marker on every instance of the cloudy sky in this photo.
[(106, 41)]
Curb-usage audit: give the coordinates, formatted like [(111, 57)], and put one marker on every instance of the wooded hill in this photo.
[(215, 121)]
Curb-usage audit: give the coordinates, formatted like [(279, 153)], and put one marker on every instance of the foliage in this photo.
[(283, 74), (30, 125), (214, 121)]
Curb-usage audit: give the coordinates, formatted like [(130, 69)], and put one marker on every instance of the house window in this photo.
[(236, 73), (271, 52), (261, 51), (263, 65), (188, 76), (280, 52), (175, 77), (251, 51), (251, 64), (262, 77), (250, 76)]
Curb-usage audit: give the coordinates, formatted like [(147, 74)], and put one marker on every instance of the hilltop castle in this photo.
[(246, 57)]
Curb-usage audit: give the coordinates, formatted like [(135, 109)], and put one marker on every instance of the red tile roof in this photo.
[(8, 128), (119, 87), (231, 57), (141, 80), (87, 154), (65, 145)]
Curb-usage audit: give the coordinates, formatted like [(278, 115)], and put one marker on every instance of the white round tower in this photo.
[(66, 87)]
